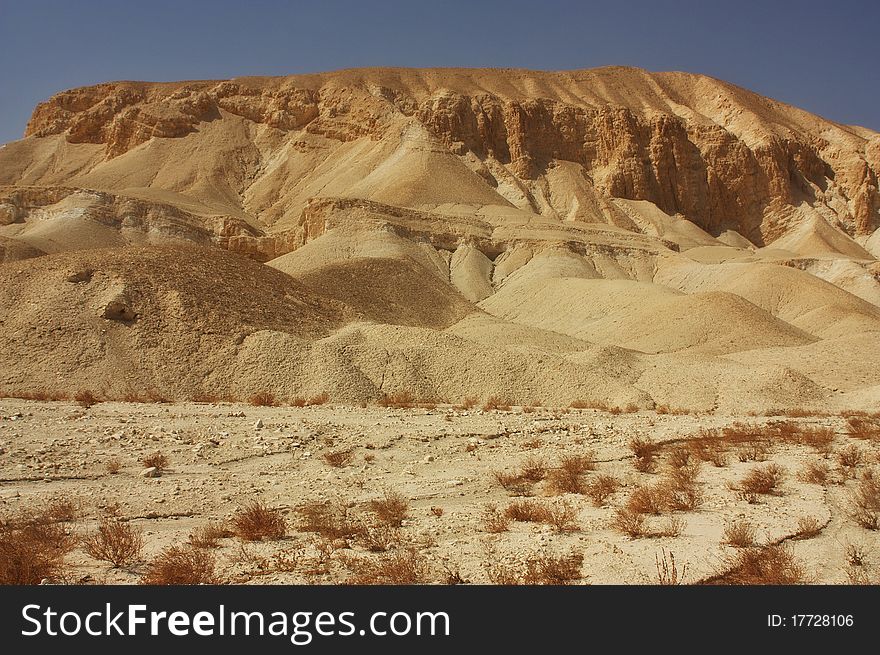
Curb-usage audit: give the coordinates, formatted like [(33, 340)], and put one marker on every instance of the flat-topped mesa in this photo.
[(717, 154)]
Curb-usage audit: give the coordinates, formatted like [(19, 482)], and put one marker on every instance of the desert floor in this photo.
[(448, 464)]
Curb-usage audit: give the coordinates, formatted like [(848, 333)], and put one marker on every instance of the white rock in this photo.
[(151, 472)]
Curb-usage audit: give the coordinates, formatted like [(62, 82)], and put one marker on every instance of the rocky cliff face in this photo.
[(718, 155)]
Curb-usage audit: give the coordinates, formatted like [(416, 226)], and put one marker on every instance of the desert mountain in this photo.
[(611, 235)]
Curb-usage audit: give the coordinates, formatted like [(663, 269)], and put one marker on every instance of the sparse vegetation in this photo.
[(256, 522), (115, 541), (866, 501), (399, 400), (33, 548), (542, 568), (644, 451), (494, 403), (815, 472), (629, 522), (495, 521), (808, 527), (207, 536), (156, 460), (601, 487), (392, 509), (85, 398), (762, 480), (402, 567), (319, 399), (181, 565), (667, 570), (739, 534), (113, 465), (772, 564), (339, 458), (850, 458), (263, 399)]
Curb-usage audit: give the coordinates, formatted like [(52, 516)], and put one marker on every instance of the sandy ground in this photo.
[(443, 460)]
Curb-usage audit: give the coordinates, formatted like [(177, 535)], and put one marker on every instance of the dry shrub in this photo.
[(673, 527), (709, 447), (527, 511), (113, 466), (402, 567), (549, 569), (861, 427), (679, 456), (762, 480), (181, 565), (818, 438), (437, 511), (647, 499), (866, 501), (565, 481), (62, 510), (392, 509), (320, 399), (850, 458), (495, 521), (667, 570), (256, 521), (601, 487), (808, 527), (629, 522), (815, 473), (533, 470), (542, 568), (155, 460), (513, 483), (566, 478), (644, 451), (496, 403), (207, 536), (739, 534), (32, 548), (680, 490), (773, 564), (520, 484), (116, 542), (532, 444), (298, 401), (468, 402), (85, 398), (339, 458), (263, 399), (398, 399), (379, 538), (674, 411), (753, 452), (856, 555), (562, 518)]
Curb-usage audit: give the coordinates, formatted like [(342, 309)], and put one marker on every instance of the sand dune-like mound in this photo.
[(12, 250), (134, 320), (390, 291), (642, 316), (795, 296)]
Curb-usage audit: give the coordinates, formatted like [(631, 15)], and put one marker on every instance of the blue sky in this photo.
[(822, 56)]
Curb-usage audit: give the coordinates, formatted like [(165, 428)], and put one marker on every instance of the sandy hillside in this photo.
[(612, 237)]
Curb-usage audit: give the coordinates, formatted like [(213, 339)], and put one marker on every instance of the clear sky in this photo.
[(822, 56)]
